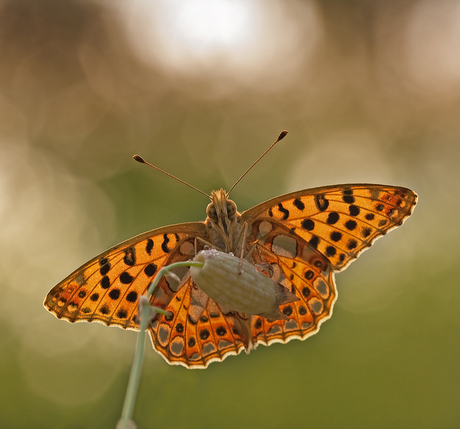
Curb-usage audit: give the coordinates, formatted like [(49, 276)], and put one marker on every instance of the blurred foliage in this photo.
[(369, 91)]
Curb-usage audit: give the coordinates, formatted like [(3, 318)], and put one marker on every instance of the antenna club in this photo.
[(282, 135), (138, 158)]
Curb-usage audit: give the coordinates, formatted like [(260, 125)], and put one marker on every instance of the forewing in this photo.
[(339, 221), (106, 289)]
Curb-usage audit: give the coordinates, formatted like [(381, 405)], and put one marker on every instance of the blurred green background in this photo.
[(369, 91)]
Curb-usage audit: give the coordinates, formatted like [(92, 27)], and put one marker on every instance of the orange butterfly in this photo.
[(298, 239)]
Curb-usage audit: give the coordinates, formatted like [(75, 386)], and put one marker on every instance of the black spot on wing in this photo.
[(332, 218), (350, 225), (349, 199), (122, 313), (308, 224), (130, 256), (321, 202), (353, 210), (126, 278), (287, 311), (204, 334), (314, 241), (330, 251), (149, 246), (336, 236), (309, 274), (114, 294), (284, 211), (150, 269), (105, 268), (306, 291), (221, 331), (164, 245), (131, 297), (105, 282), (352, 244), (366, 232), (298, 204)]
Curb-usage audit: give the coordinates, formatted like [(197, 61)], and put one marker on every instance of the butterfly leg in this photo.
[(243, 240), (241, 236), (264, 267), (204, 243)]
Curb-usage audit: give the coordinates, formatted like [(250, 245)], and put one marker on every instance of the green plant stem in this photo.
[(146, 314)]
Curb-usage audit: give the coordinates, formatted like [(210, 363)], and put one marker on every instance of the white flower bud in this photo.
[(248, 291)]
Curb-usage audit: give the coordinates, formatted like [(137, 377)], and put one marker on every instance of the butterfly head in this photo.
[(221, 208)]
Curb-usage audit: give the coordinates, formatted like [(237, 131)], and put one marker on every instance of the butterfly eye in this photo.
[(211, 211), (231, 209)]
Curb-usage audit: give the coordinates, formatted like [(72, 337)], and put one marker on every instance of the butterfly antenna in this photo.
[(280, 137), (139, 158)]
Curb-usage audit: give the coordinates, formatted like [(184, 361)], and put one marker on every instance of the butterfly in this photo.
[(299, 240)]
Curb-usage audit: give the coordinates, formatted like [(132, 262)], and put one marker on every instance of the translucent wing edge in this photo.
[(198, 365)]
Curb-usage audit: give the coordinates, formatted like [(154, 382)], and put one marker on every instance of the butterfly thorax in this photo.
[(223, 222)]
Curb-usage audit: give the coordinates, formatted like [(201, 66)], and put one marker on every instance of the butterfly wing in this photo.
[(303, 237), (292, 262), (197, 331), (299, 238), (339, 221), (106, 289)]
